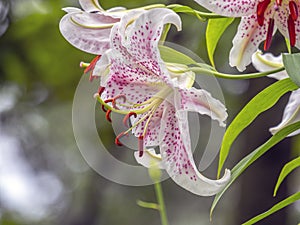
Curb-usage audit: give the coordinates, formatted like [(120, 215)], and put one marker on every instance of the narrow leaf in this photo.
[(292, 66), (215, 29), (253, 156), (260, 103), (293, 198), (287, 169), (172, 56)]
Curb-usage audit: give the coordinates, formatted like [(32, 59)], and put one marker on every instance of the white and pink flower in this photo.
[(259, 20), (291, 112), (155, 98)]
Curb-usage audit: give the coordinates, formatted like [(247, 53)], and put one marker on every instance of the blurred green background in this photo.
[(45, 180)]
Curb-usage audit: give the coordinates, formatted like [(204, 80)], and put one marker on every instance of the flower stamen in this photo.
[(260, 11), (107, 116), (126, 118), (141, 145), (117, 139), (269, 34), (293, 10), (292, 30)]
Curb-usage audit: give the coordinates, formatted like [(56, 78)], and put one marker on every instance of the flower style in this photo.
[(291, 112), (155, 97), (259, 21)]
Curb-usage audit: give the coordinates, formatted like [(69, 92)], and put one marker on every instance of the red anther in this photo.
[(117, 141), (292, 32), (269, 35), (114, 102), (126, 118), (106, 101), (141, 145), (278, 2), (107, 115), (293, 10), (92, 64), (100, 90), (260, 11)]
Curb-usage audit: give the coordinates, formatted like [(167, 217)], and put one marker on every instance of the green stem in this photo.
[(234, 76), (161, 203), (205, 15)]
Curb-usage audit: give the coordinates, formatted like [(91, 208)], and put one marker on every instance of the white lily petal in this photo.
[(71, 10), (149, 159), (76, 27), (201, 101), (90, 5), (267, 62), (102, 68), (178, 159), (230, 8), (291, 113), (246, 42)]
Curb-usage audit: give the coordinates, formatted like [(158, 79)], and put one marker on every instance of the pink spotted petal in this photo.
[(297, 28), (141, 38), (178, 159), (291, 113), (247, 40), (149, 159), (281, 18), (102, 68), (201, 101), (230, 8), (83, 30), (134, 92), (90, 5), (267, 62), (151, 138)]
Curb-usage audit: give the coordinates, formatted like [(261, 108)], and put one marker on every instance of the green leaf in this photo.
[(293, 198), (287, 169), (187, 10), (253, 156), (215, 29), (260, 103), (292, 66), (170, 55)]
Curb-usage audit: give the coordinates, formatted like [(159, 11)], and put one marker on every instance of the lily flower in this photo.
[(155, 98), (259, 21), (291, 112)]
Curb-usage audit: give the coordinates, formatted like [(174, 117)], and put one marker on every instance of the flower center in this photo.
[(262, 6), (146, 109)]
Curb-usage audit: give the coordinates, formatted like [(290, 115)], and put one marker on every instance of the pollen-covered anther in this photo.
[(292, 30), (126, 118), (269, 34), (106, 101), (100, 90), (117, 139), (141, 145), (260, 11), (293, 10), (114, 102), (107, 115), (92, 64)]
